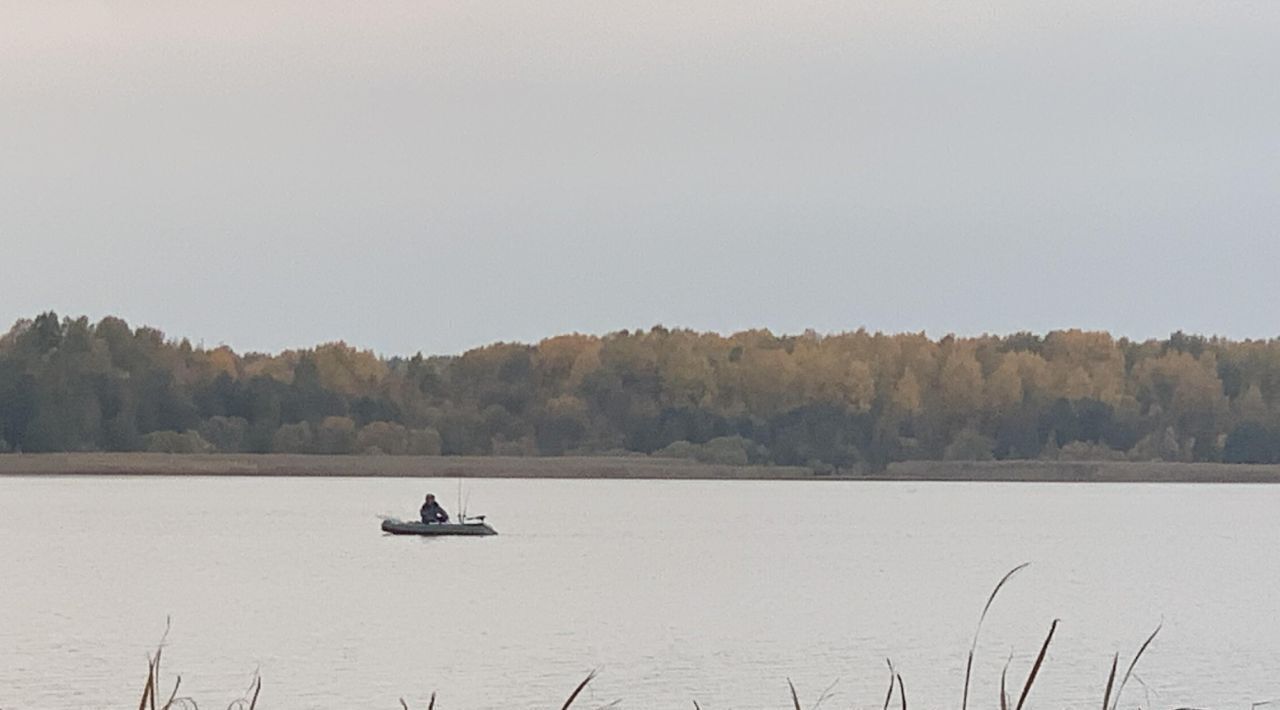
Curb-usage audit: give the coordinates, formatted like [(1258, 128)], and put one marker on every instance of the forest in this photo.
[(839, 402)]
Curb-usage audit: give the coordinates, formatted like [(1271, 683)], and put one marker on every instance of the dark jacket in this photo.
[(433, 513)]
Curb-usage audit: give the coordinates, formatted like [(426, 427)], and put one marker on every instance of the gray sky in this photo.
[(436, 175)]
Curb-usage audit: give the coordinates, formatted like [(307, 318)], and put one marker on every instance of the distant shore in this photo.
[(638, 467)]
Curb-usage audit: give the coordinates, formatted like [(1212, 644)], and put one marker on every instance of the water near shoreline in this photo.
[(677, 590)]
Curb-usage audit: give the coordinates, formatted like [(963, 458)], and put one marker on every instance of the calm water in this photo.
[(715, 591)]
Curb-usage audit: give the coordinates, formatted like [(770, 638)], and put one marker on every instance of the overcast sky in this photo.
[(437, 175)]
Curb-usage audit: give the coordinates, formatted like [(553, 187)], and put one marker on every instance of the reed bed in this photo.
[(152, 691)]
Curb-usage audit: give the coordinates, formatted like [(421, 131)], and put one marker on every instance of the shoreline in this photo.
[(587, 467)]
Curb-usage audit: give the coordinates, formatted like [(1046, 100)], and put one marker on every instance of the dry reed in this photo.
[(1110, 700)]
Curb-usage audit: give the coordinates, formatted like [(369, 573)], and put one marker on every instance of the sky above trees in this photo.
[(435, 176)]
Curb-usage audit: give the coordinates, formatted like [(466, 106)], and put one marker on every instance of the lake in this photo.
[(675, 590)]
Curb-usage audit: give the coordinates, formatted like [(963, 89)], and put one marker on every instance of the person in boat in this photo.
[(432, 512)]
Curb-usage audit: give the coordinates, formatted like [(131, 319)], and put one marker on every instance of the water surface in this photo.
[(674, 590)]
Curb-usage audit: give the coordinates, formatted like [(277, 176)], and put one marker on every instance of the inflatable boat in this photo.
[(469, 526)]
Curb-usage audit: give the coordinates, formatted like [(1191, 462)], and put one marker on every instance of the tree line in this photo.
[(840, 401)]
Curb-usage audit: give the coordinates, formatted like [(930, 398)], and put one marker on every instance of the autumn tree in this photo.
[(822, 400)]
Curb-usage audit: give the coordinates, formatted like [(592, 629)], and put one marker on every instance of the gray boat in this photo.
[(469, 526)]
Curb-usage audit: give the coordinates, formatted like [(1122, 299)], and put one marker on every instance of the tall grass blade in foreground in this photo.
[(1004, 693), (825, 695), (147, 690), (155, 671), (173, 697), (1035, 668), (1116, 702), (968, 668), (1111, 681), (889, 696), (250, 699), (795, 700), (574, 696), (151, 690), (431, 704)]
